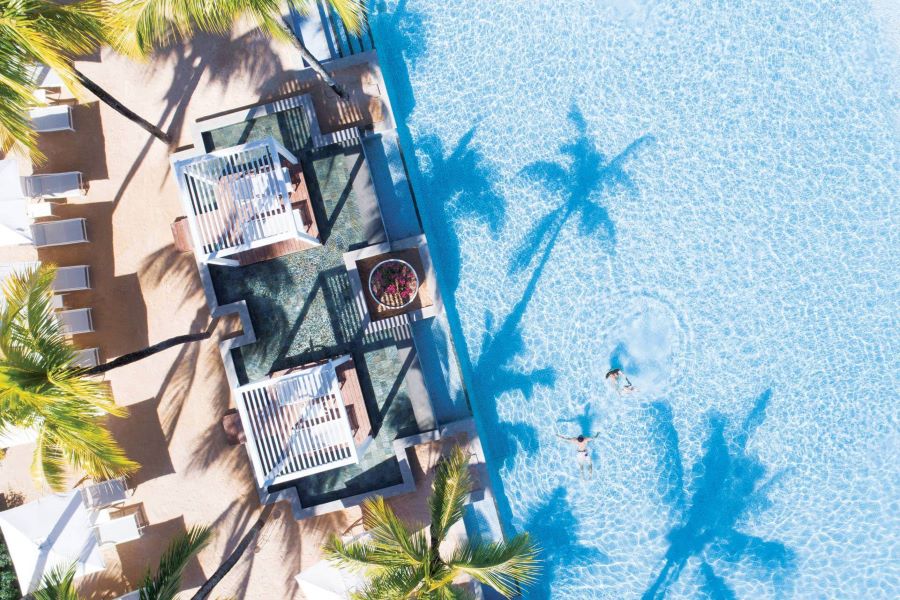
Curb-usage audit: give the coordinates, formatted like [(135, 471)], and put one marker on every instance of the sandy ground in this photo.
[(144, 292)]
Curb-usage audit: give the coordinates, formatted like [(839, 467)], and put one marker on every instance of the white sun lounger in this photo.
[(77, 320), (45, 77), (115, 526), (52, 118), (54, 185), (72, 279), (105, 493), (117, 531), (87, 357), (59, 233)]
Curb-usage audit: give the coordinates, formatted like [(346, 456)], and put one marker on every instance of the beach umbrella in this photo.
[(15, 224), (53, 531), (324, 581)]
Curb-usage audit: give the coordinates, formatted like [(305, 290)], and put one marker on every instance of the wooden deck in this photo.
[(351, 393), (300, 201), (354, 403)]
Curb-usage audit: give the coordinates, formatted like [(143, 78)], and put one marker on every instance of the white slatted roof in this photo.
[(237, 198), (296, 424)]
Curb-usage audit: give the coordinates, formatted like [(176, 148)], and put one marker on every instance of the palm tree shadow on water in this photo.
[(579, 184), (729, 486), (455, 185), (556, 528)]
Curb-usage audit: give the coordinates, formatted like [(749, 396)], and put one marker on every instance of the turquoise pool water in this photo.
[(704, 194)]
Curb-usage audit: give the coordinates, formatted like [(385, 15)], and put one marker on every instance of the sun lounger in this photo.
[(87, 357), (54, 185), (46, 119), (119, 530), (72, 279), (44, 77), (59, 233), (74, 321), (105, 493)]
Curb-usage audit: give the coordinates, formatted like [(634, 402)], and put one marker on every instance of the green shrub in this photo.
[(9, 585)]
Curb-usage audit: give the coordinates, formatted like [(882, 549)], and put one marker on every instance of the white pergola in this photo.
[(238, 198), (296, 424)]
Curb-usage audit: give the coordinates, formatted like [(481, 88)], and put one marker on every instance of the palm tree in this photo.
[(16, 97), (233, 558), (59, 584), (132, 357), (165, 583), (403, 562), (47, 32), (41, 389), (140, 26)]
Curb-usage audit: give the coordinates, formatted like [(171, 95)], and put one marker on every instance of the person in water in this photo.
[(584, 458), (623, 386)]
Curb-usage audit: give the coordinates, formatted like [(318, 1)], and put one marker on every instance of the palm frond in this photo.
[(71, 435), (395, 584), (501, 565), (354, 556), (449, 592), (41, 388), (166, 582), (16, 132), (452, 483), (137, 27), (391, 538), (53, 34), (351, 12), (58, 584)]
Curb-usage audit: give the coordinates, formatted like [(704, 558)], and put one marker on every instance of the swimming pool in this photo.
[(705, 196)]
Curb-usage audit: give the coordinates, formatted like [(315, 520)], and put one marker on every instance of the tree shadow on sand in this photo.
[(729, 486)]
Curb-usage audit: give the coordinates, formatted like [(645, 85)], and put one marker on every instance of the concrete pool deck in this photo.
[(145, 291)]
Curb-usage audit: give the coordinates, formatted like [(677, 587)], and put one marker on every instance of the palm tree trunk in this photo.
[(316, 66), (235, 556), (127, 359), (121, 108)]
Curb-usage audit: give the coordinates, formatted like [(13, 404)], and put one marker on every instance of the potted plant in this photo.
[(393, 283)]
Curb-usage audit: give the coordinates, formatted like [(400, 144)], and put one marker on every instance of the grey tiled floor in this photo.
[(302, 310)]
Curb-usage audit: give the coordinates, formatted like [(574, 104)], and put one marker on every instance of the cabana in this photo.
[(54, 531), (237, 199), (296, 424)]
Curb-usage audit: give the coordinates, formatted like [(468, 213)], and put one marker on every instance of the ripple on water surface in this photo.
[(703, 194)]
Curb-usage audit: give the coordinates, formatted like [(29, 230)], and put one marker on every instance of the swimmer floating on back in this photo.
[(584, 458), (623, 386)]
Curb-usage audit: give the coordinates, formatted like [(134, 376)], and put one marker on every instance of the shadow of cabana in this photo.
[(142, 437)]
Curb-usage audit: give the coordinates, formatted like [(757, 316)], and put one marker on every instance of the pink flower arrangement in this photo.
[(393, 283)]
